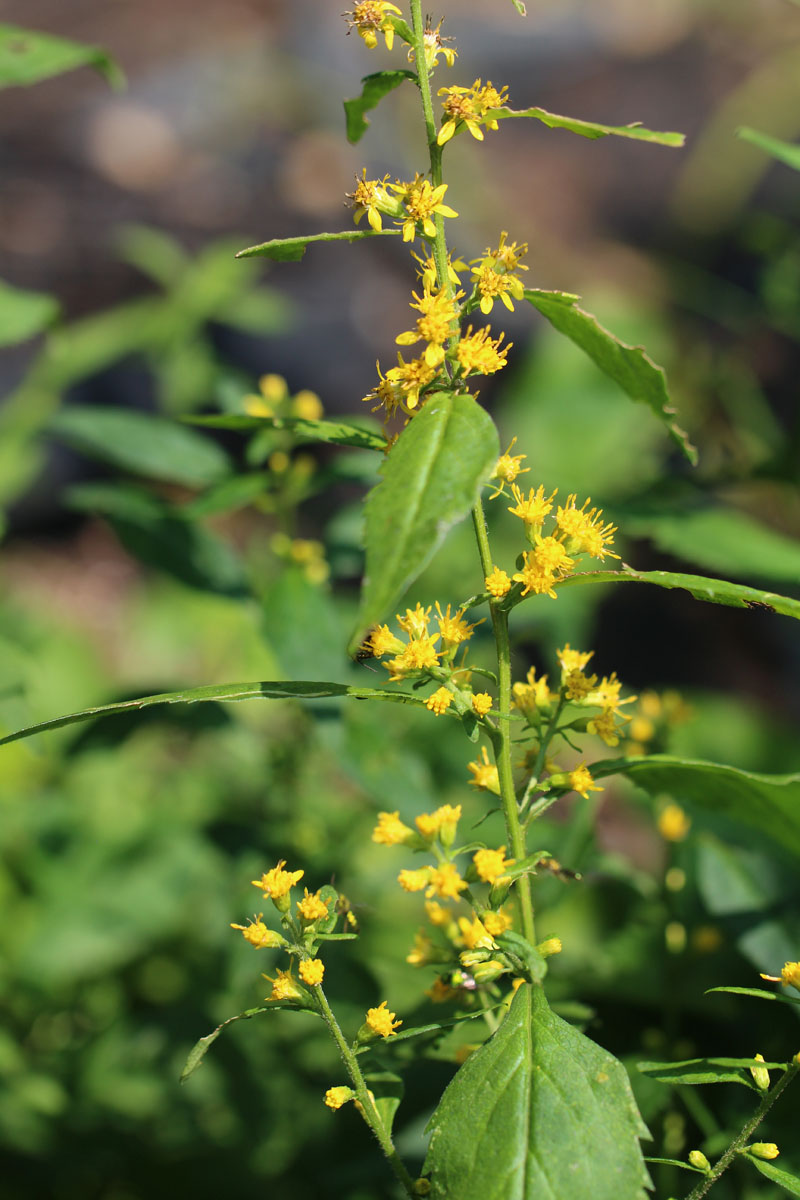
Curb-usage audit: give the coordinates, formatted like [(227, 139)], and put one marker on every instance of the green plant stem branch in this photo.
[(367, 1105), (743, 1137), (501, 737)]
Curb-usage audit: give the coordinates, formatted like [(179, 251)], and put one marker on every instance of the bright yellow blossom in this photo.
[(497, 584), (498, 922), (470, 107), (276, 883), (390, 830), (335, 1097), (418, 656), (481, 704), (673, 823), (573, 660), (369, 18), (439, 702), (311, 907), (258, 935), (533, 510), (491, 864), (416, 620), (423, 951), (790, 975), (372, 197), (533, 695), (307, 404), (311, 971), (442, 822), (584, 532), (507, 468), (435, 325), (581, 781), (422, 201), (414, 881), (381, 1021), (382, 641), (480, 353), (543, 567), (428, 273), (411, 377), (474, 934), (284, 987), (605, 727), (484, 774), (577, 685), (445, 882), (454, 629)]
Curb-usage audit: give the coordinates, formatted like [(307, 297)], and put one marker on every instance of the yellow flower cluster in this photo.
[(494, 278), (470, 108), (370, 18), (275, 400)]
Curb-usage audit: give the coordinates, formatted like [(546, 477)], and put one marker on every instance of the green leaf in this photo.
[(431, 480), (715, 591), (785, 152), (143, 443), (227, 496), (24, 314), (339, 433), (26, 56), (591, 129), (280, 690), (538, 1111), (387, 1088), (293, 249), (695, 1071), (673, 1162), (520, 7), (403, 31), (757, 993), (415, 1031), (768, 803), (629, 366), (721, 539), (789, 1182), (531, 961), (375, 87)]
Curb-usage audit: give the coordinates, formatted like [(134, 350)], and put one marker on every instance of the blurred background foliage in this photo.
[(141, 555)]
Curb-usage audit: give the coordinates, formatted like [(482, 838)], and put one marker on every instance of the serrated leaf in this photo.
[(293, 249), (374, 88), (23, 314), (785, 152), (337, 433), (768, 803), (757, 993), (267, 690), (695, 1071), (431, 479), (714, 591), (27, 56), (143, 443), (629, 366), (592, 129), (539, 1110), (789, 1182)]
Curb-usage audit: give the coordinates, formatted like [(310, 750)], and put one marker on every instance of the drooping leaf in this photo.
[(23, 314), (293, 249), (768, 803), (431, 480), (785, 152), (785, 1179), (204, 1044), (695, 1071), (338, 433), (715, 591), (143, 443), (592, 129), (27, 56), (268, 690), (629, 366), (375, 87), (539, 1110)]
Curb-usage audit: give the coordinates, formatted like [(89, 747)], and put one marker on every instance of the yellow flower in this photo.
[(369, 18), (423, 950), (507, 468), (411, 377), (577, 685), (498, 922), (604, 726), (416, 621), (284, 987), (312, 908), (549, 947), (307, 404), (584, 531), (481, 703), (417, 657), (435, 326), (439, 702), (382, 641), (492, 285), (497, 584), (434, 45), (531, 696), (673, 823), (428, 273), (484, 774), (381, 1021), (372, 197), (767, 1150), (422, 202), (277, 883), (443, 822), (414, 881), (790, 975), (474, 934), (543, 567), (454, 629), (470, 107), (580, 780), (606, 694), (257, 934), (335, 1097), (481, 354), (390, 830), (533, 510), (437, 913), (491, 864), (311, 971), (445, 882), (387, 392), (573, 660)]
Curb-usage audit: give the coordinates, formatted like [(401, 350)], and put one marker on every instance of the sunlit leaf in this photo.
[(24, 314), (539, 1110), (293, 249), (592, 129), (785, 152), (338, 433), (629, 366), (375, 87), (27, 56)]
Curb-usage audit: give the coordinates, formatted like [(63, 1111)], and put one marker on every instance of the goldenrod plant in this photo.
[(537, 1108)]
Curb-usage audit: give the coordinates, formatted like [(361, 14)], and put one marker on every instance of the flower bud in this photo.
[(765, 1150), (760, 1074), (699, 1160), (486, 972)]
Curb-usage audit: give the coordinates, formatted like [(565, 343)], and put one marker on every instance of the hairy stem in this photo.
[(366, 1105)]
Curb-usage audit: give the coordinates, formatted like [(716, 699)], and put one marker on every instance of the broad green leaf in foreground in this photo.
[(375, 87), (592, 129), (143, 443), (293, 249), (785, 152), (267, 690), (768, 803), (26, 56), (629, 366), (788, 1181), (337, 433), (538, 1111), (431, 480), (24, 314), (695, 1071), (715, 591)]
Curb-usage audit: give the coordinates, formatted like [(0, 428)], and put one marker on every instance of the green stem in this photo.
[(366, 1104), (745, 1134), (501, 737)]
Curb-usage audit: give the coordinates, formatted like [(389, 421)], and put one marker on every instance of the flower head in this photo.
[(421, 201), (335, 1097), (481, 704), (532, 696), (491, 864), (414, 880), (312, 908), (382, 1022), (584, 532), (484, 774), (311, 971), (480, 354), (442, 822), (454, 629), (498, 922), (435, 325), (497, 584), (445, 882), (417, 658), (277, 883), (284, 987), (507, 468), (543, 567), (369, 18), (373, 198), (390, 830), (470, 108), (257, 934), (581, 781), (534, 509), (439, 701), (434, 45), (673, 823)]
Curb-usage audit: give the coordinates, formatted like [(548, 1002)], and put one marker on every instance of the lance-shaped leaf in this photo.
[(785, 152), (756, 993), (768, 803), (374, 88), (338, 433), (715, 591), (24, 314), (629, 366), (520, 7), (293, 249), (201, 1047), (27, 56), (788, 1181), (267, 690), (431, 480), (695, 1071), (538, 1111), (592, 129)]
